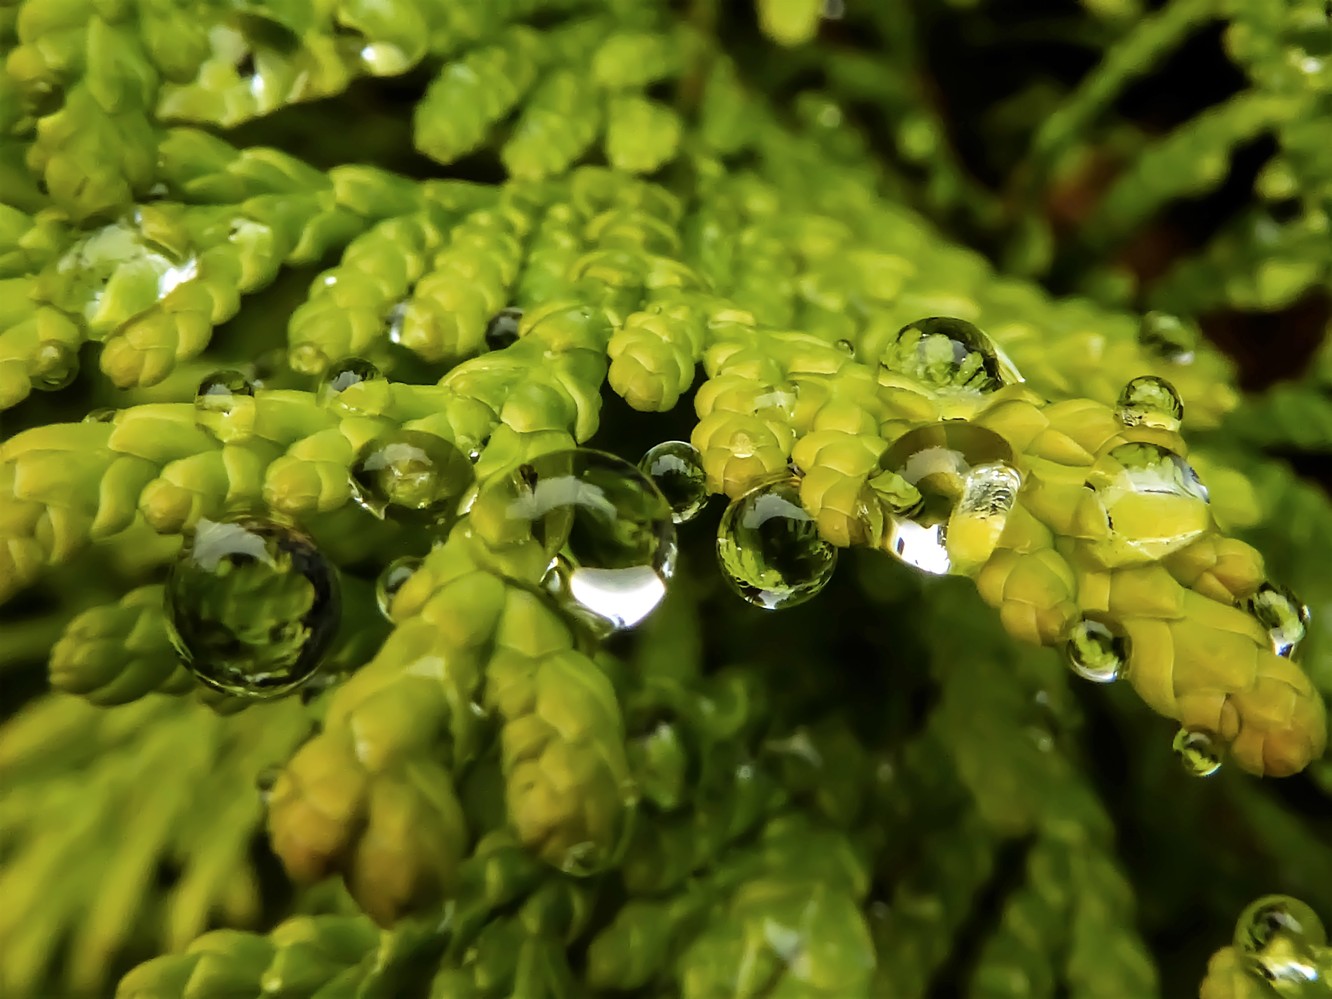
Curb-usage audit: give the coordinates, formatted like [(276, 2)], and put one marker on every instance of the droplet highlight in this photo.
[(1096, 653), (1279, 940), (343, 375), (770, 549), (225, 407), (677, 469), (1198, 752), (252, 606), (1285, 616), (1168, 337), (1148, 401), (502, 330), (53, 366), (945, 354), (411, 474), (391, 579), (103, 415)]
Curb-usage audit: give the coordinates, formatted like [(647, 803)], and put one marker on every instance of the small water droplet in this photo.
[(391, 579), (413, 474), (846, 347), (225, 407), (1284, 615), (502, 330), (947, 355), (52, 366), (342, 376), (264, 782), (1198, 752), (1153, 500), (1279, 940), (103, 415), (770, 549), (602, 516), (677, 469), (1148, 401), (1096, 653), (1168, 337), (252, 606), (777, 402)]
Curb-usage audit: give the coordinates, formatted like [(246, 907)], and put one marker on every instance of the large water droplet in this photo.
[(1198, 752), (1148, 401), (1096, 653), (251, 606), (677, 469), (947, 354), (391, 579), (1279, 939), (989, 493), (502, 330), (413, 474), (342, 376), (1168, 337), (52, 366), (1154, 500), (770, 548), (1283, 614), (603, 517), (225, 407)]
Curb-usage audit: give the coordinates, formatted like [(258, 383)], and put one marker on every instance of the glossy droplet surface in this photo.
[(502, 330), (413, 474), (1153, 502), (939, 461), (252, 606), (677, 469), (770, 550), (1168, 337), (103, 415), (946, 354), (846, 347), (1279, 939), (52, 366), (1283, 614), (602, 516), (1148, 401), (1198, 752), (224, 406), (343, 375), (390, 581), (1096, 653)]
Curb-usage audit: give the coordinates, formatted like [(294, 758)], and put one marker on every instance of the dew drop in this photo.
[(1096, 653), (603, 516), (264, 782), (1168, 337), (224, 406), (770, 549), (1148, 401), (677, 469), (103, 415), (948, 355), (342, 376), (391, 579), (846, 347), (53, 365), (502, 330), (412, 474), (251, 606), (1153, 501), (1197, 751), (1279, 939), (1283, 614)]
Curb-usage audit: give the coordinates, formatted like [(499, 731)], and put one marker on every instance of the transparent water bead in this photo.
[(343, 375), (411, 473), (502, 330), (1152, 500), (252, 606), (104, 414), (1148, 401), (1279, 939), (224, 406), (939, 461), (770, 549), (677, 469), (602, 516), (1284, 615), (390, 581), (1096, 653), (1198, 752), (53, 366), (947, 354), (1168, 337)]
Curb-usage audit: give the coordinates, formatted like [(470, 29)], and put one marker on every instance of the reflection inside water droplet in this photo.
[(390, 581), (1280, 940), (225, 406), (410, 473), (1198, 752), (677, 469), (1096, 653), (53, 366), (1284, 615), (1148, 401), (770, 549), (1168, 337), (946, 354)]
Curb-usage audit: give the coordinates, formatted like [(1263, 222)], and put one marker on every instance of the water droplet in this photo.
[(1279, 939), (395, 319), (224, 406), (943, 461), (391, 579), (677, 469), (946, 354), (1154, 503), (770, 549), (603, 516), (846, 347), (342, 376), (1096, 653), (103, 415), (252, 606), (1168, 337), (1198, 752), (1148, 401), (411, 473), (777, 402), (52, 366), (265, 780), (1283, 614), (502, 330)]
